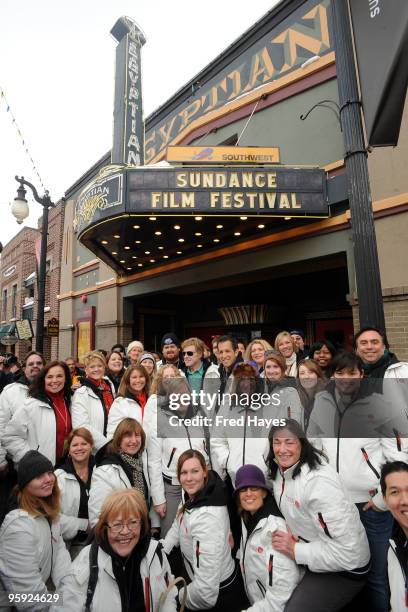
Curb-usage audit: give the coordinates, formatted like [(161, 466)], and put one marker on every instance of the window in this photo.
[(14, 302), (4, 305)]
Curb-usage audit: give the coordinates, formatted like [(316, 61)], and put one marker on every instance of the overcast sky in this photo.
[(57, 72)]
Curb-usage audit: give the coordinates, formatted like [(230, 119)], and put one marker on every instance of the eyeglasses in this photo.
[(132, 525), (188, 353)]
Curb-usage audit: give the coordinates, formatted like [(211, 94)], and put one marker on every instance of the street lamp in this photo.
[(19, 208)]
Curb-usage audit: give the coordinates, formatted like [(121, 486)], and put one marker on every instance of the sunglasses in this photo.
[(188, 353)]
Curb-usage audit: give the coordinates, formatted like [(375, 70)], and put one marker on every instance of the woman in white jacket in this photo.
[(92, 401), (326, 534), (32, 550), (43, 422), (269, 576), (202, 531), (171, 430), (121, 465), (124, 569), (74, 479), (131, 399)]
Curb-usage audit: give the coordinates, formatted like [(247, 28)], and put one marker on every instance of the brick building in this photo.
[(18, 284)]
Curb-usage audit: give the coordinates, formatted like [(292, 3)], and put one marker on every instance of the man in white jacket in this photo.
[(394, 487)]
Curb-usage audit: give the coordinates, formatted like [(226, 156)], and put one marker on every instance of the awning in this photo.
[(7, 330), (30, 280)]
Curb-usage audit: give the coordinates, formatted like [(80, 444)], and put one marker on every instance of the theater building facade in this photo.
[(208, 238)]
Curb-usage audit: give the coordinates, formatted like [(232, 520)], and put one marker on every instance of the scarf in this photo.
[(63, 424), (105, 388), (291, 365), (135, 465)]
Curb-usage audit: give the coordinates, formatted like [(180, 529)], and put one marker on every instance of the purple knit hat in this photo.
[(250, 476)]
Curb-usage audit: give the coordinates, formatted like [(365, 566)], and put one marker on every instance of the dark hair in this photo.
[(316, 346), (228, 338), (374, 329), (33, 353), (346, 361), (308, 454), (37, 387), (103, 352), (109, 355), (389, 468), (118, 346)]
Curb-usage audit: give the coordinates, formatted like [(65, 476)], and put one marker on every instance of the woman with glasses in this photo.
[(201, 530), (124, 569), (123, 466), (132, 398)]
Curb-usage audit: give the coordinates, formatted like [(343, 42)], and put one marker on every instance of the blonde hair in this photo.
[(89, 357), (127, 426), (157, 384), (196, 342), (125, 382), (128, 502), (281, 336), (47, 507), (264, 343)]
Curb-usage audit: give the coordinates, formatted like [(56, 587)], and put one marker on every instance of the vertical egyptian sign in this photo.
[(128, 127)]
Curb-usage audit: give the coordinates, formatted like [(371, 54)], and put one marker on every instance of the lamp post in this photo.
[(19, 208)]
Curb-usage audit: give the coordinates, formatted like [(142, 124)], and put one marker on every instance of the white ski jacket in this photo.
[(154, 571), (270, 577), (318, 511)]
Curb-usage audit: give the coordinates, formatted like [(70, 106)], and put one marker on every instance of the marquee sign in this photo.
[(228, 190)]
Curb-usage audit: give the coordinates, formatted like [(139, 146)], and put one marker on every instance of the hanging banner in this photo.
[(381, 41)]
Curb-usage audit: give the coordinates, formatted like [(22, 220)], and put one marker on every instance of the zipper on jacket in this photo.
[(198, 553), (188, 437), (270, 569), (147, 594), (282, 490), (289, 412), (370, 465), (244, 553), (323, 525), (261, 587), (171, 456), (397, 438)]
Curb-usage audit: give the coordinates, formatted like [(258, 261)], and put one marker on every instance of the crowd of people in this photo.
[(268, 476)]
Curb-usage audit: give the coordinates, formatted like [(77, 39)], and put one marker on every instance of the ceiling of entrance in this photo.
[(132, 244)]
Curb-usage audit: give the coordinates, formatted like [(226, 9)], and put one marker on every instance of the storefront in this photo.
[(204, 249)]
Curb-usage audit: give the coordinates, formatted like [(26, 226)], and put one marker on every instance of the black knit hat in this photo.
[(170, 338), (32, 465)]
